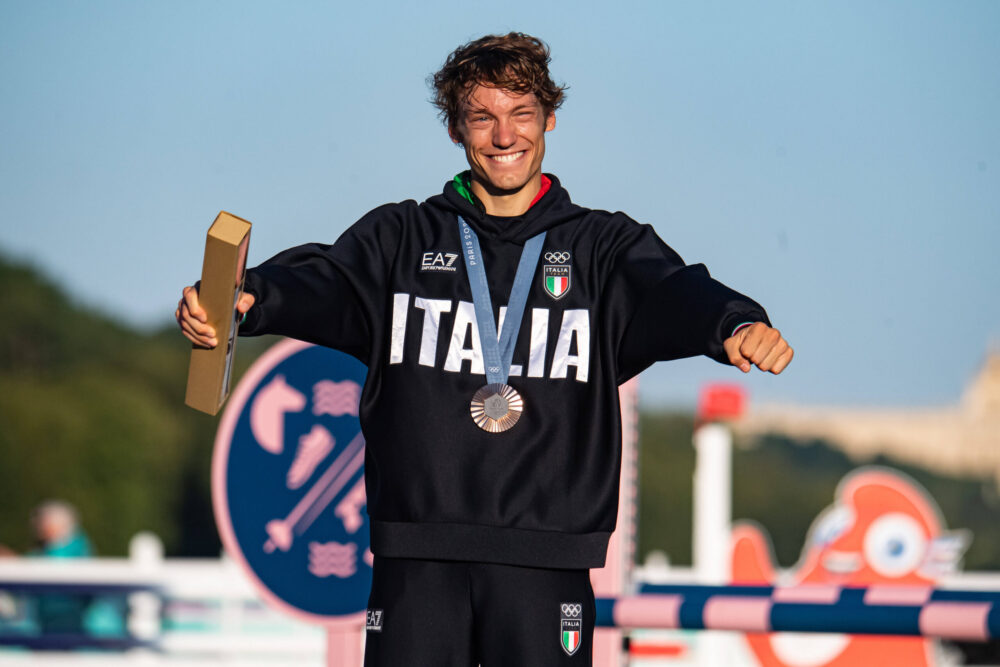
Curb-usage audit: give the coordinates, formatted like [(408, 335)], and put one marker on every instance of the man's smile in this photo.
[(507, 157)]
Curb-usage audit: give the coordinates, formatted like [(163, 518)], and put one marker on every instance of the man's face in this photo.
[(503, 134)]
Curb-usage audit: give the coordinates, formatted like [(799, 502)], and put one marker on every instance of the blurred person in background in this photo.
[(58, 532), (59, 535)]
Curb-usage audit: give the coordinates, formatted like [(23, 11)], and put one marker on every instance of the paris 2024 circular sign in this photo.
[(288, 483)]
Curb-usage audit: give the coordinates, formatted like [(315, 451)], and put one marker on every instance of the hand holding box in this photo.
[(222, 274)]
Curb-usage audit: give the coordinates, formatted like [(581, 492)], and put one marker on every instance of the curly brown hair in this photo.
[(515, 62)]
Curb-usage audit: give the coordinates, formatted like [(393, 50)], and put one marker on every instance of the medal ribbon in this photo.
[(498, 350)]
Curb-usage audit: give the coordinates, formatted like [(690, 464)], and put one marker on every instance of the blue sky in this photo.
[(840, 162)]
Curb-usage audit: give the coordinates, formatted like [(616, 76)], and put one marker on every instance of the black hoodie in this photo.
[(393, 292)]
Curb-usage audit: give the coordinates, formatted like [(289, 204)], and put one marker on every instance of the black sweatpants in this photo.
[(424, 613)]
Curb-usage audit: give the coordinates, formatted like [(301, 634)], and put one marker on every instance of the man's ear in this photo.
[(550, 122), (454, 134)]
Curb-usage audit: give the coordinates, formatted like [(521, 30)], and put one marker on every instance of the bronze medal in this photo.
[(496, 407)]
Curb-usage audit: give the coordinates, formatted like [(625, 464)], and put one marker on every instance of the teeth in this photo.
[(507, 158)]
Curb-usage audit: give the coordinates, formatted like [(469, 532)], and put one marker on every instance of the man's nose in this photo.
[(503, 133)]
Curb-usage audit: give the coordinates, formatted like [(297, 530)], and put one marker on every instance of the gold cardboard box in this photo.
[(221, 286)]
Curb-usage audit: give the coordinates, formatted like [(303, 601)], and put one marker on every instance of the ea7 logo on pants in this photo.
[(438, 261), (570, 626), (374, 622)]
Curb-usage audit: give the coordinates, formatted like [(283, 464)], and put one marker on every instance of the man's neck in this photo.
[(506, 203)]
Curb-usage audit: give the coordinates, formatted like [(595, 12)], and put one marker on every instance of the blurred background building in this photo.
[(959, 439)]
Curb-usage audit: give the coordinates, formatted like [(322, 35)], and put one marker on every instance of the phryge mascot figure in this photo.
[(883, 529)]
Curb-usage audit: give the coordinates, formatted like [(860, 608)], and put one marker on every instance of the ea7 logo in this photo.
[(374, 620), (438, 261)]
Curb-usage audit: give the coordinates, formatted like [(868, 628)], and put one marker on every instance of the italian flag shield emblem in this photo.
[(556, 280), (571, 641), (570, 626)]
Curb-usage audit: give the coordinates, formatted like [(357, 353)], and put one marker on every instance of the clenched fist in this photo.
[(760, 345)]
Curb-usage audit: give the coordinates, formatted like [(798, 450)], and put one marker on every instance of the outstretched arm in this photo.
[(305, 293), (675, 310), (688, 314), (324, 294)]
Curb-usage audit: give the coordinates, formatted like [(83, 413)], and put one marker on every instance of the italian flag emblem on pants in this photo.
[(571, 641), (570, 626)]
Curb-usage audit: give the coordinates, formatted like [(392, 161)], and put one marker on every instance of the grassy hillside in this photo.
[(92, 412), (783, 485)]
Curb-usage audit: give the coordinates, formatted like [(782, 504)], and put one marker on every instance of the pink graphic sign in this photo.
[(288, 483)]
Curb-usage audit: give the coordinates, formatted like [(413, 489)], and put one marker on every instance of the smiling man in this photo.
[(497, 320), (503, 134)]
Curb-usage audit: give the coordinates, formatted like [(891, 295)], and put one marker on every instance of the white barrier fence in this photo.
[(205, 612)]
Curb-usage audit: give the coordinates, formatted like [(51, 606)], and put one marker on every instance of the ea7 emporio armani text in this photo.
[(439, 261), (572, 345)]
